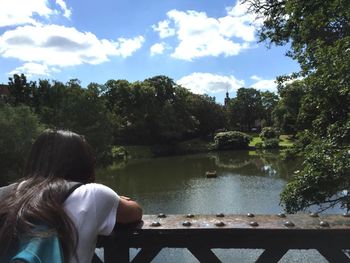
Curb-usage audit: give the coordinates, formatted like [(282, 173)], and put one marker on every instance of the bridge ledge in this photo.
[(276, 234)]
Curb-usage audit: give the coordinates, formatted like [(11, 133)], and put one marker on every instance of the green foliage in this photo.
[(119, 153), (286, 112), (259, 145), (256, 140), (21, 91), (84, 111), (289, 154), (245, 109), (269, 133), (319, 36), (323, 179), (269, 101), (19, 128), (232, 140), (158, 111), (270, 137), (208, 115), (194, 146), (271, 143), (304, 138)]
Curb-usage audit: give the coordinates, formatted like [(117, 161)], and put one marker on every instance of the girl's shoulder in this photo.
[(94, 191)]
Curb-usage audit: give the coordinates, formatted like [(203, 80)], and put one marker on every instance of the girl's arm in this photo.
[(128, 211)]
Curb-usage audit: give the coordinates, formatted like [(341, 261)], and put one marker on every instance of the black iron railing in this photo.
[(276, 234)]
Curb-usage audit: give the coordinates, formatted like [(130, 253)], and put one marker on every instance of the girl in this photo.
[(56, 158)]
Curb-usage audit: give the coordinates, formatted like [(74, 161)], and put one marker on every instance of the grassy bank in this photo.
[(285, 140), (187, 147)]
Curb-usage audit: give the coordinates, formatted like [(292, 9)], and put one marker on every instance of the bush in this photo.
[(119, 153), (271, 144), (259, 145), (231, 140), (269, 133), (19, 128)]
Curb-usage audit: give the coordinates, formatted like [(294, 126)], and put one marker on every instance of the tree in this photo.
[(246, 108), (269, 101), (153, 111), (19, 128), (286, 112), (209, 115), (21, 91), (84, 111), (319, 36)]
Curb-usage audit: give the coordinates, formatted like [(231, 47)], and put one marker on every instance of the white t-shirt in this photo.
[(93, 210)]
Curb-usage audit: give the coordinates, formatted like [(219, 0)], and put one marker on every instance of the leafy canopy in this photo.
[(319, 35)]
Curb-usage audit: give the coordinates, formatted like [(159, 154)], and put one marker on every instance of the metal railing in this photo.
[(276, 234)]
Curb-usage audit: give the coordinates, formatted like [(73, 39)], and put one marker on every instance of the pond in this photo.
[(246, 182)]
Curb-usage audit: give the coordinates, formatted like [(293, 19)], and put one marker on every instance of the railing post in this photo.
[(120, 254)]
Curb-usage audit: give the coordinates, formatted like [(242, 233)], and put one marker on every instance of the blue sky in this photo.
[(207, 46)]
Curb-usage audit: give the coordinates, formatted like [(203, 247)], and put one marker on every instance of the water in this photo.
[(246, 182)]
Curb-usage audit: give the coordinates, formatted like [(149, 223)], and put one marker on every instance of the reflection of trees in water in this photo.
[(172, 173), (255, 163), (284, 169), (167, 173), (230, 162)]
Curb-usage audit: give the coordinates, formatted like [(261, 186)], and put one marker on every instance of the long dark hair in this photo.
[(56, 157)]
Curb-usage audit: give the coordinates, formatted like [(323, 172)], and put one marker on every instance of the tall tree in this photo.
[(269, 101), (246, 108), (21, 90), (287, 110), (209, 115), (319, 35)]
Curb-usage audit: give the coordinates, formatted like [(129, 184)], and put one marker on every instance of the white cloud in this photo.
[(157, 49), (200, 35), (18, 12), (32, 69), (204, 83), (45, 47), (264, 84), (60, 46), (125, 47), (164, 29), (66, 11), (255, 77)]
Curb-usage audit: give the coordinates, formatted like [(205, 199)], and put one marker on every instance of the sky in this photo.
[(207, 46)]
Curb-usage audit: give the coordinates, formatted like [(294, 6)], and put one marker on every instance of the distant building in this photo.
[(227, 99), (4, 92)]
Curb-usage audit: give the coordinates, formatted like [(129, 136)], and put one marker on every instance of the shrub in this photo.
[(269, 133), (271, 143), (119, 153), (231, 140), (259, 145)]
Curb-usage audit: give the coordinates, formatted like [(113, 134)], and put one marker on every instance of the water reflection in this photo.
[(246, 182)]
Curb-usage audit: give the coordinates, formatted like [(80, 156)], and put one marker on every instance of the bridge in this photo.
[(275, 234)]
